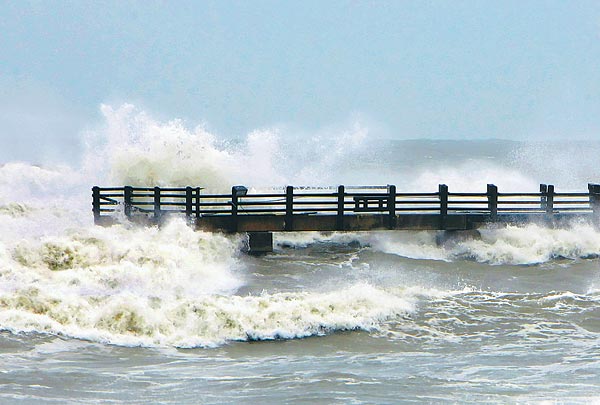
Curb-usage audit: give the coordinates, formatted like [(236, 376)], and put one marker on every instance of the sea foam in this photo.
[(513, 245)]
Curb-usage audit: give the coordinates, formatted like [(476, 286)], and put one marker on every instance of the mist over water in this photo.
[(373, 298)]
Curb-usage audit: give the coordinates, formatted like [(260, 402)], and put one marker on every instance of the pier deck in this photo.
[(363, 208)]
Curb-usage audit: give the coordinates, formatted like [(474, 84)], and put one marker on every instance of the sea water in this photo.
[(170, 315)]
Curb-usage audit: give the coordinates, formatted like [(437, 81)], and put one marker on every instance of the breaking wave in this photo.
[(513, 245), (198, 321)]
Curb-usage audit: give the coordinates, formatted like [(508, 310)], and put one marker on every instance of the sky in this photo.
[(405, 69)]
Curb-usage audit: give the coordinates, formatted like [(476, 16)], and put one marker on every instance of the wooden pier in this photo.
[(360, 208)]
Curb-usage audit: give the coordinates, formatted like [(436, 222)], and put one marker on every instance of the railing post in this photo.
[(543, 197), (234, 210), (96, 204), (188, 202), (594, 191), (157, 212), (289, 208), (339, 221), (127, 196), (391, 206), (443, 194), (197, 202), (550, 200), (492, 195)]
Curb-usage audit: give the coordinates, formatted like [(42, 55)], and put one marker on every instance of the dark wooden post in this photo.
[(127, 196), (594, 190), (339, 221), (443, 195), (550, 200), (197, 202), (492, 195), (543, 197), (96, 204), (157, 204), (391, 206), (188, 202), (234, 210), (289, 208)]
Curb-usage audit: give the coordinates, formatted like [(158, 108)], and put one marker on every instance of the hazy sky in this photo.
[(411, 69)]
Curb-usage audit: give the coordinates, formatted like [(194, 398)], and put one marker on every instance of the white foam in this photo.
[(174, 258), (128, 318), (527, 244), (304, 239), (414, 245), (531, 244)]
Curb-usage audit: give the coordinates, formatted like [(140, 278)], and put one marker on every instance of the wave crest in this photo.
[(203, 321)]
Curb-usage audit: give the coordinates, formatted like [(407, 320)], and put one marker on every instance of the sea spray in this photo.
[(134, 148), (141, 151), (512, 245), (532, 244), (470, 176), (133, 257)]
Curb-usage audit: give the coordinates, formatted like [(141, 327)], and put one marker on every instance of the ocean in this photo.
[(130, 314)]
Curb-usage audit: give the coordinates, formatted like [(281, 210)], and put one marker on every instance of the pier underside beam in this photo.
[(355, 223)]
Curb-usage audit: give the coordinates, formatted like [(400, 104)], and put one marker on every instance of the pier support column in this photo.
[(260, 242)]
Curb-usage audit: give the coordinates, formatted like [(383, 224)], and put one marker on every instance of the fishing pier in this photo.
[(350, 209)]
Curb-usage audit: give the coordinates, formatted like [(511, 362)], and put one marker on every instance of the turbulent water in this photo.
[(142, 315)]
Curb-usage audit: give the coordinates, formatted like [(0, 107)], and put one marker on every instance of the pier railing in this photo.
[(156, 202)]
